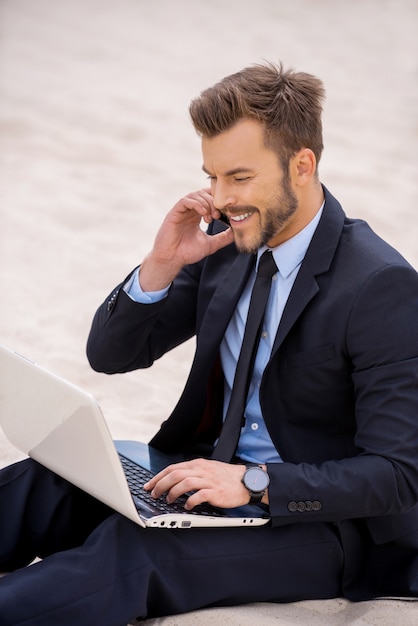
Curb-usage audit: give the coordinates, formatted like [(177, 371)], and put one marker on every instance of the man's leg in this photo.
[(41, 513), (123, 571)]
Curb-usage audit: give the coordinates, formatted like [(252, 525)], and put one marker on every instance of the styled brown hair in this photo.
[(287, 103)]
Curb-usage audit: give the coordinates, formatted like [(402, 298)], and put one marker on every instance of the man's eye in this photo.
[(241, 179), (211, 178)]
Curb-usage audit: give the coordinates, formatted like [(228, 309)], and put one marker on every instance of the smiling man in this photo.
[(302, 396)]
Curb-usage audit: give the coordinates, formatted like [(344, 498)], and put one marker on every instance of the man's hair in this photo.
[(287, 103)]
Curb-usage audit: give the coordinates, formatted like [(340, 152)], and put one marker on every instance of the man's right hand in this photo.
[(181, 241)]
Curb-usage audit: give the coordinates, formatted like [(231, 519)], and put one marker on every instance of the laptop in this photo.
[(62, 427)]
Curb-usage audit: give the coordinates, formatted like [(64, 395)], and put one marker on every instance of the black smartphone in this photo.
[(224, 219)]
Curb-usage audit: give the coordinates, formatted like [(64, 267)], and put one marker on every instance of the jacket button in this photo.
[(316, 506), (111, 302), (301, 507), (308, 505), (292, 506)]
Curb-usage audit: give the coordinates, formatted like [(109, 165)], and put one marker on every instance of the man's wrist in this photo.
[(156, 275), (133, 289)]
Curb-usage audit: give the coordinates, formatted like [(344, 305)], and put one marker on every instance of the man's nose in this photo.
[(222, 196)]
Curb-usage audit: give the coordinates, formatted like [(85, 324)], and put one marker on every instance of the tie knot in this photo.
[(267, 265)]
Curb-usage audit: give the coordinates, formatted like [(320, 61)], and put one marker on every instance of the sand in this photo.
[(96, 146)]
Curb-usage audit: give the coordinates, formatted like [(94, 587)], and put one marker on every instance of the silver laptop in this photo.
[(62, 427)]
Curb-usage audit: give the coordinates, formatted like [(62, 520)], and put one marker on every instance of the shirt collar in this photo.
[(290, 254)]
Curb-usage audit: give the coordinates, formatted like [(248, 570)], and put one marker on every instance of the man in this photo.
[(330, 412)]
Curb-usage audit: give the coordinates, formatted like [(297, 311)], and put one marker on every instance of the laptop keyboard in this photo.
[(137, 476)]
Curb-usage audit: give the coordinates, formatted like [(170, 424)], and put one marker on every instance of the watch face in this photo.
[(256, 479)]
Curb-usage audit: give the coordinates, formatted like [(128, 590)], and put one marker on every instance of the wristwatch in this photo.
[(256, 480)]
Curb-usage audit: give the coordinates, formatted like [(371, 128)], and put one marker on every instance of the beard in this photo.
[(271, 221)]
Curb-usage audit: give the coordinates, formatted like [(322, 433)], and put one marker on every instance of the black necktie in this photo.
[(228, 439)]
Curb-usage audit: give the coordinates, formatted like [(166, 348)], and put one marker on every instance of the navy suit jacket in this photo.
[(340, 393)]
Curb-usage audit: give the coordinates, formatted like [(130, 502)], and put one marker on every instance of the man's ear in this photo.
[(303, 165)]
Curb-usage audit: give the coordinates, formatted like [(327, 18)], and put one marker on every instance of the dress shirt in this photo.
[(255, 445)]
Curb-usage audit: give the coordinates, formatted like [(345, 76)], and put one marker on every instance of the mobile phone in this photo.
[(224, 219)]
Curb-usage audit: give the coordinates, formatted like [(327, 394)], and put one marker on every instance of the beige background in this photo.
[(96, 146)]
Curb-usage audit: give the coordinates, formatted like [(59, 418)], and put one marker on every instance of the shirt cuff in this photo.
[(133, 289)]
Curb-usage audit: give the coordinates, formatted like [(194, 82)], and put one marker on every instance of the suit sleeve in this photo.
[(382, 478), (126, 335)]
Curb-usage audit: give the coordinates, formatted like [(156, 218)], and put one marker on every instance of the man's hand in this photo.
[(214, 482), (181, 241)]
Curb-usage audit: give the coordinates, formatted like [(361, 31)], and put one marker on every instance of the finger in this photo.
[(198, 497), (148, 486), (167, 479), (202, 197), (189, 485), (214, 212), (202, 202), (174, 473), (220, 240)]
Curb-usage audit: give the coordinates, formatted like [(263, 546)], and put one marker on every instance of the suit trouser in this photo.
[(99, 568)]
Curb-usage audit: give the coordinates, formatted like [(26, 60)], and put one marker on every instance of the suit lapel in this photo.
[(223, 304), (317, 260), (303, 291)]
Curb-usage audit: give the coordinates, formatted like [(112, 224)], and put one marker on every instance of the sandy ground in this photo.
[(96, 146)]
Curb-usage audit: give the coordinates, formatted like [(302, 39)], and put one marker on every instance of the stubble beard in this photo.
[(272, 222)]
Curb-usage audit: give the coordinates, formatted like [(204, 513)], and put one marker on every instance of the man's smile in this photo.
[(240, 217)]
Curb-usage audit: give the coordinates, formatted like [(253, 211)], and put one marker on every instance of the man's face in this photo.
[(249, 187)]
